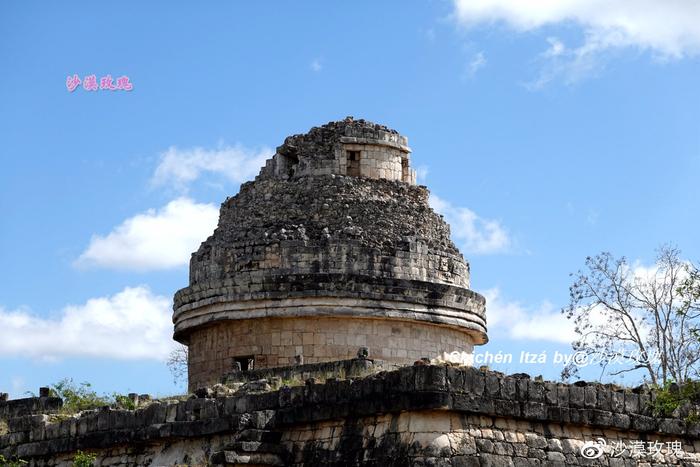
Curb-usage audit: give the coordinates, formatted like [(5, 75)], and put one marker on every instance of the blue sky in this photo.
[(546, 134)]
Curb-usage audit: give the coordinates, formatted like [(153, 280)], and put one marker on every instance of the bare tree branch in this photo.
[(177, 364), (625, 314)]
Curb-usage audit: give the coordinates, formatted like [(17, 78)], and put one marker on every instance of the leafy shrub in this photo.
[(83, 459), (77, 397), (123, 402), (672, 396), (11, 463)]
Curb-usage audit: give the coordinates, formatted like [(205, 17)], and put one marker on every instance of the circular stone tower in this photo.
[(332, 247)]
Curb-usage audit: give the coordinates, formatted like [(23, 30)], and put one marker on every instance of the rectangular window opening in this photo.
[(245, 363), (353, 163)]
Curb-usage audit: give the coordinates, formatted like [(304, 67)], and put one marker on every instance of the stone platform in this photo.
[(423, 415)]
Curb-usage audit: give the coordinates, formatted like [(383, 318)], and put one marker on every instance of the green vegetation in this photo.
[(673, 396), (123, 402), (83, 459), (79, 397), (290, 383), (11, 463)]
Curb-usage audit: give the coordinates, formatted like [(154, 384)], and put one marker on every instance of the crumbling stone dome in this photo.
[(332, 247)]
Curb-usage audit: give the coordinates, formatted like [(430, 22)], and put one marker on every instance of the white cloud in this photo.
[(180, 167), (669, 29), (519, 322), (556, 47), (155, 239), (568, 64), (477, 62), (316, 65), (132, 324), (474, 233), (546, 322)]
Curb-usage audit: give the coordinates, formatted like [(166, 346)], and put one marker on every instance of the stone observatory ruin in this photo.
[(309, 317), (333, 247)]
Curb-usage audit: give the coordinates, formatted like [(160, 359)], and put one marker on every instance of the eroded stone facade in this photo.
[(415, 416), (333, 227), (441, 438), (348, 147), (277, 342)]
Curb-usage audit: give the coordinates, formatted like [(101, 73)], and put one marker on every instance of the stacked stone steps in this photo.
[(253, 448)]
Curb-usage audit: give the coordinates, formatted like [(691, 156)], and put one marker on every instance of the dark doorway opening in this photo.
[(288, 164), (353, 163), (245, 363)]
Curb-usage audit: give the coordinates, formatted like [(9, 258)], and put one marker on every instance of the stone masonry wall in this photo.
[(310, 239), (371, 248), (323, 151), (27, 406), (415, 416), (330, 224), (377, 161), (443, 438), (276, 342), (297, 374)]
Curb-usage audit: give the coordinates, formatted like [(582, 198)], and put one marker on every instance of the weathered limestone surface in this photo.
[(276, 342), (415, 416), (28, 406), (325, 150), (333, 227), (298, 374)]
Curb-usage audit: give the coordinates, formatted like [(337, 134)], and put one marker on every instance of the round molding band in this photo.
[(305, 307)]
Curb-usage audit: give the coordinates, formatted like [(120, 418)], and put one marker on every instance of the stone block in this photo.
[(534, 410), (590, 397), (631, 402), (603, 396), (535, 390), (562, 395), (508, 388), (671, 426), (642, 423), (576, 396), (431, 378), (617, 402)]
